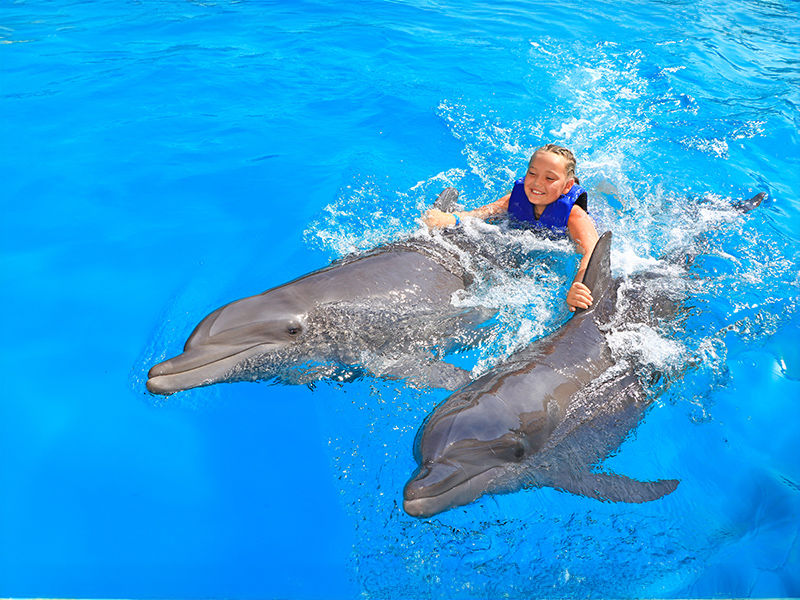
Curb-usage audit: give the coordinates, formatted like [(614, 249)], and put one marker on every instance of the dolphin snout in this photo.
[(427, 493), (417, 508), (433, 479), (445, 484), (193, 359), (159, 385), (200, 366)]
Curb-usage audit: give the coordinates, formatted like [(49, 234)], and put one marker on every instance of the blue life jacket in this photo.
[(555, 215)]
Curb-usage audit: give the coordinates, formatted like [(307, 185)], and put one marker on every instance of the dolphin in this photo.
[(544, 417), (551, 413), (386, 313)]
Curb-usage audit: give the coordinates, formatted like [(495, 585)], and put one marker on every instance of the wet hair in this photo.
[(565, 153)]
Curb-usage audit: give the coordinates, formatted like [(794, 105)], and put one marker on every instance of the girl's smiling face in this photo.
[(546, 180)]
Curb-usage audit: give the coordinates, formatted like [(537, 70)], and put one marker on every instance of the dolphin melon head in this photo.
[(229, 337)]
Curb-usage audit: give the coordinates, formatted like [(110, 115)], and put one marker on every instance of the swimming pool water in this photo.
[(162, 158)]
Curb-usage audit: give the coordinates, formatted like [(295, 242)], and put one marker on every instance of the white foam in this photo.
[(627, 261), (647, 346), (567, 129)]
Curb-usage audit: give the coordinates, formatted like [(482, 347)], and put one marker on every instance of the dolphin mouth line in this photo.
[(420, 505), (465, 481), (154, 383)]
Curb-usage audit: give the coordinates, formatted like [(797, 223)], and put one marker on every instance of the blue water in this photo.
[(162, 158)]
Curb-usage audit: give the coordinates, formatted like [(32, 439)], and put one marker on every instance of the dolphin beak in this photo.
[(431, 489), (445, 484), (193, 359), (196, 368)]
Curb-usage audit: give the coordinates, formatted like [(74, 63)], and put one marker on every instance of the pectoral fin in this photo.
[(419, 372), (616, 488)]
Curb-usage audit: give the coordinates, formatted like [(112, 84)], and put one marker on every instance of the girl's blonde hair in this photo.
[(568, 156)]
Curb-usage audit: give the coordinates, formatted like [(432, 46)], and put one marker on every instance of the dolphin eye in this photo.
[(519, 451), (294, 330)]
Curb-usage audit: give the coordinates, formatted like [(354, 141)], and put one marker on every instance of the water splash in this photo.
[(626, 115)]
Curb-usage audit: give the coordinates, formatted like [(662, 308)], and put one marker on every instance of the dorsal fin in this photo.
[(447, 200), (598, 272)]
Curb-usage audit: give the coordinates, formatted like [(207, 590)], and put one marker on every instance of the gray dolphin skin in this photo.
[(387, 313), (544, 417)]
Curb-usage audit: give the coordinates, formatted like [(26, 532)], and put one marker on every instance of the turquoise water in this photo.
[(160, 159)]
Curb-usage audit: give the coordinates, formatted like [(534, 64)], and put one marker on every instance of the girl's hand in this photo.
[(579, 296), (437, 218)]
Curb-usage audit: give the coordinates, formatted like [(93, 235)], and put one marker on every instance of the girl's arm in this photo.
[(437, 218), (584, 234)]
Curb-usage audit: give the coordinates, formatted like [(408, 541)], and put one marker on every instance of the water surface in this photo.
[(160, 159)]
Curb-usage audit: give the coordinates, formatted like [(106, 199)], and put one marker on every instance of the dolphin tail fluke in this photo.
[(598, 272), (446, 202), (618, 488), (746, 206)]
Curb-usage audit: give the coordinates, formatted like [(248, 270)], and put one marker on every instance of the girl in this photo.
[(546, 198)]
